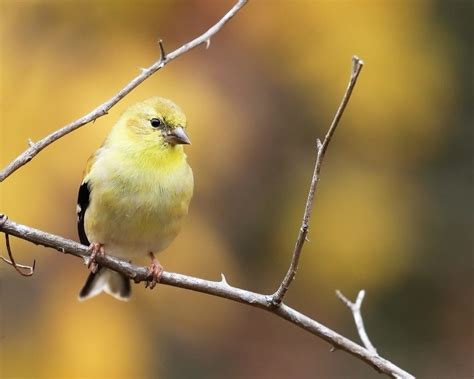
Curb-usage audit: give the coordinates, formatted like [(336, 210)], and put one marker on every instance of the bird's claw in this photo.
[(154, 274), (95, 249)]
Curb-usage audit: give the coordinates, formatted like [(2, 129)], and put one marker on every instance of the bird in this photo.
[(135, 193)]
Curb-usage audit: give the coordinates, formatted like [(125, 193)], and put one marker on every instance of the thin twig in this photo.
[(162, 50), (359, 322), (18, 267), (102, 109), (321, 148), (216, 288)]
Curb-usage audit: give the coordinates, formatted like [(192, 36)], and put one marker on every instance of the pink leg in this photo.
[(154, 272), (96, 249)]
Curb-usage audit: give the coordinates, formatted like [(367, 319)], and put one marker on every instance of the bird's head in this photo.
[(155, 122)]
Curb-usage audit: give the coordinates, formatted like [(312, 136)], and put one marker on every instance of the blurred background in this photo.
[(393, 214)]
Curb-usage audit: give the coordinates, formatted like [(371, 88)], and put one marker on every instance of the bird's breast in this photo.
[(136, 209)]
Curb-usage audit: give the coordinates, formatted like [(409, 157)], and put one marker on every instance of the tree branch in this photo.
[(101, 110), (18, 267), (356, 313), (278, 296), (216, 288)]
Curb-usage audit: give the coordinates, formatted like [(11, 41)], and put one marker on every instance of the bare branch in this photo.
[(216, 288), (321, 148), (16, 266), (102, 109), (356, 313)]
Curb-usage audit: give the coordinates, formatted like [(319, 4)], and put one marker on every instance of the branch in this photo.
[(355, 309), (216, 288), (17, 266), (278, 296), (101, 110)]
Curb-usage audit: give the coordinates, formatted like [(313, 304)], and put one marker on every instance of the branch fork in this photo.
[(321, 148), (359, 322)]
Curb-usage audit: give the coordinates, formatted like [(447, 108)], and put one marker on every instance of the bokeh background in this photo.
[(393, 214)]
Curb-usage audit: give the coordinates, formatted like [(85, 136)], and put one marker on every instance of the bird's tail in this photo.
[(108, 281)]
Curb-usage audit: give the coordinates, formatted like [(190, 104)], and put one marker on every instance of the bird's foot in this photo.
[(95, 249), (154, 273)]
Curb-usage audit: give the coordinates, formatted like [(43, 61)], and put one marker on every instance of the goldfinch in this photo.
[(136, 191)]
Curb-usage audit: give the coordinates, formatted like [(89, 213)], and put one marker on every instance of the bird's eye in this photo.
[(156, 122)]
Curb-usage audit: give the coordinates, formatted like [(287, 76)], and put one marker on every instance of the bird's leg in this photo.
[(154, 272), (95, 249)]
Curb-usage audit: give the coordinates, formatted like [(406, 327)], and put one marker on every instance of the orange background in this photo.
[(392, 214)]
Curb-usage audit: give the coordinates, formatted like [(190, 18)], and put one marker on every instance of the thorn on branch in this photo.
[(30, 142), (224, 280), (208, 43), (18, 267), (162, 51)]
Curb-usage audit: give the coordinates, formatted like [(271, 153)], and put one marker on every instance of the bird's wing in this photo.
[(82, 204), (83, 199)]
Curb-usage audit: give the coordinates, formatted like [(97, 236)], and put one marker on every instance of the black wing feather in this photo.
[(120, 284), (82, 204)]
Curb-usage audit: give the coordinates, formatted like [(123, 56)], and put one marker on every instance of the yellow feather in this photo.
[(140, 184)]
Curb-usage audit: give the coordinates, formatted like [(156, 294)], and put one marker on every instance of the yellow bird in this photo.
[(136, 191)]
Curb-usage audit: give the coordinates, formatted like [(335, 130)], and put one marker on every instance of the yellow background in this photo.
[(392, 213)]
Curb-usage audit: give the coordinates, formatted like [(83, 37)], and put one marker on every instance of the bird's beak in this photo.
[(177, 136)]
